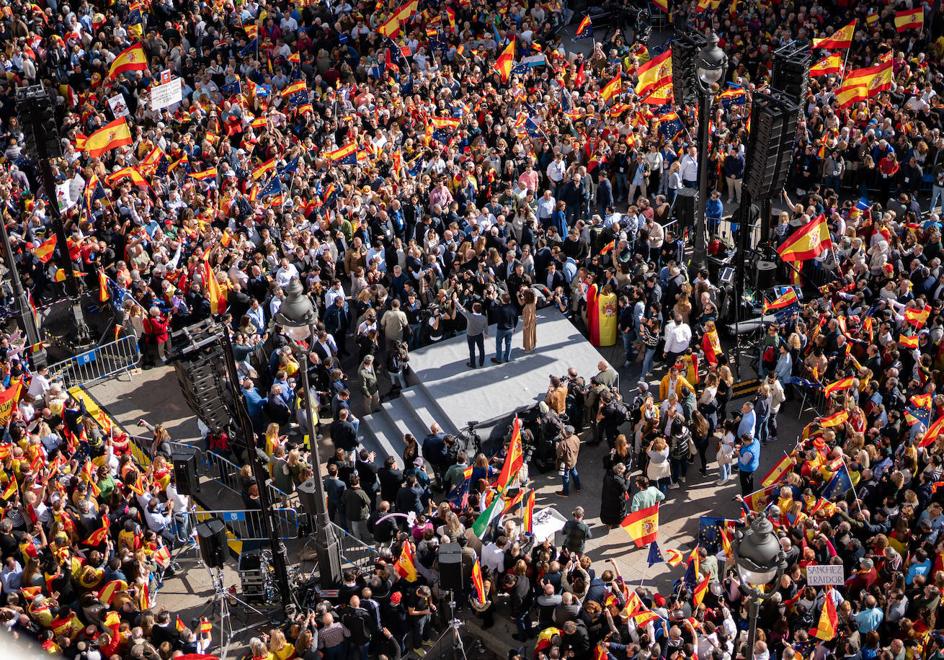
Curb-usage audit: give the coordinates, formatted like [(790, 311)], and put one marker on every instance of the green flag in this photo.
[(486, 517)]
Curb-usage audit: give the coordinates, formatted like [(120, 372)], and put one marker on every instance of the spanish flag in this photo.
[(527, 516), (45, 250), (180, 625), (477, 582), (921, 401), (645, 617), (910, 19), (110, 136), (444, 122), (205, 175), (405, 565), (98, 537), (841, 38), (126, 173), (130, 59), (662, 4), (107, 593), (863, 84), (213, 292), (834, 420), (908, 341), (642, 526), (505, 61), (782, 302), (585, 27), (205, 626), (932, 433), (345, 153), (514, 459), (838, 386), (294, 88), (673, 557), (778, 471), (262, 170), (807, 242), (103, 294), (654, 74), (917, 317), (612, 88), (828, 619), (10, 491), (829, 65), (698, 595)]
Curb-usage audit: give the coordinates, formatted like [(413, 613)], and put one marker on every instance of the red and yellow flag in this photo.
[(828, 624), (698, 595), (917, 317), (642, 526), (910, 19), (107, 593), (527, 517), (807, 242), (405, 565), (840, 39), (130, 59), (477, 582), (932, 433), (10, 491), (514, 459), (829, 65), (778, 471), (612, 88), (835, 419), (213, 291), (863, 84), (922, 401), (838, 386), (45, 250), (908, 341), (262, 170), (506, 61), (654, 74), (110, 136)]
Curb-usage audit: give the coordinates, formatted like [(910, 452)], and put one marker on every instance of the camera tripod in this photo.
[(219, 611), (454, 626)]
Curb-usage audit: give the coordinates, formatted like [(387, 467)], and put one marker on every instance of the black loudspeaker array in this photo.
[(211, 535), (791, 74), (685, 47), (770, 145), (201, 371)]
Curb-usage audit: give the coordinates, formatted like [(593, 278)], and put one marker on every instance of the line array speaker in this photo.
[(770, 144), (685, 47)]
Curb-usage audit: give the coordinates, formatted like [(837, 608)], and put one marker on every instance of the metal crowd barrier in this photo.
[(226, 474), (354, 551), (247, 524), (100, 363)]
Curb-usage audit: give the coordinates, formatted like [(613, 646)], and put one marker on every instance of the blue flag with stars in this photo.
[(655, 555)]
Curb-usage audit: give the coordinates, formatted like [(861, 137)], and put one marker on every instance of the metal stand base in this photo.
[(219, 611), (458, 646)]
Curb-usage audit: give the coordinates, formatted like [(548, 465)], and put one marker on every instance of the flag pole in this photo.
[(643, 579), (851, 485)]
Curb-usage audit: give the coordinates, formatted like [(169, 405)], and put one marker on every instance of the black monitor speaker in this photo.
[(450, 566), (211, 535), (185, 472)]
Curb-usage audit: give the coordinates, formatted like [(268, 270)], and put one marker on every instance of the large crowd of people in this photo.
[(378, 157)]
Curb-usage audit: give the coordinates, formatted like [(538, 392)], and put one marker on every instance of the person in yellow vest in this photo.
[(608, 316), (673, 381)]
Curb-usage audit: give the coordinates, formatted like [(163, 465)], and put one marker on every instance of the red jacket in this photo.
[(155, 327)]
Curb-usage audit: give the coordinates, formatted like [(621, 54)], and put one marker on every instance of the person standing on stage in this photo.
[(476, 329), (506, 318), (528, 303)]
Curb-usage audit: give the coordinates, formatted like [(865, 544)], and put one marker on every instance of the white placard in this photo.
[(118, 106), (167, 94), (66, 201), (76, 187), (546, 523), (819, 576)]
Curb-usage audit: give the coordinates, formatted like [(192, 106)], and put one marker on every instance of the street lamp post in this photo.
[(297, 315), (760, 562), (710, 66)]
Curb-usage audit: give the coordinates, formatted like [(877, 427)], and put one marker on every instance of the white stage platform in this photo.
[(450, 393)]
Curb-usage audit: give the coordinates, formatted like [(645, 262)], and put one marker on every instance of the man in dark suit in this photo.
[(342, 432), (554, 278)]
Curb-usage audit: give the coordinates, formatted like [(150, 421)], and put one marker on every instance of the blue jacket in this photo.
[(714, 209), (749, 463)]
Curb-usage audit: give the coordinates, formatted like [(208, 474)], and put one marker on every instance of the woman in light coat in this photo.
[(659, 470)]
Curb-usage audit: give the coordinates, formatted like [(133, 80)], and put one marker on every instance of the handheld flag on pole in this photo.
[(585, 29), (506, 61), (642, 526), (477, 582), (405, 565), (828, 624), (840, 39), (807, 242), (655, 556)]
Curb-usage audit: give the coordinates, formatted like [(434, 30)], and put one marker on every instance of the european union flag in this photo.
[(441, 135), (134, 16), (249, 48), (520, 69), (291, 166), (655, 555), (414, 167), (838, 485), (263, 91), (273, 187), (232, 89), (162, 166), (670, 126), (533, 129)]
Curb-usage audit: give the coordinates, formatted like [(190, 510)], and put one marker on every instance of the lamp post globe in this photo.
[(760, 562), (296, 312), (297, 317), (711, 63)]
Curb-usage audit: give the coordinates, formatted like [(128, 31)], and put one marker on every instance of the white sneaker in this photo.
[(674, 486), (721, 482)]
